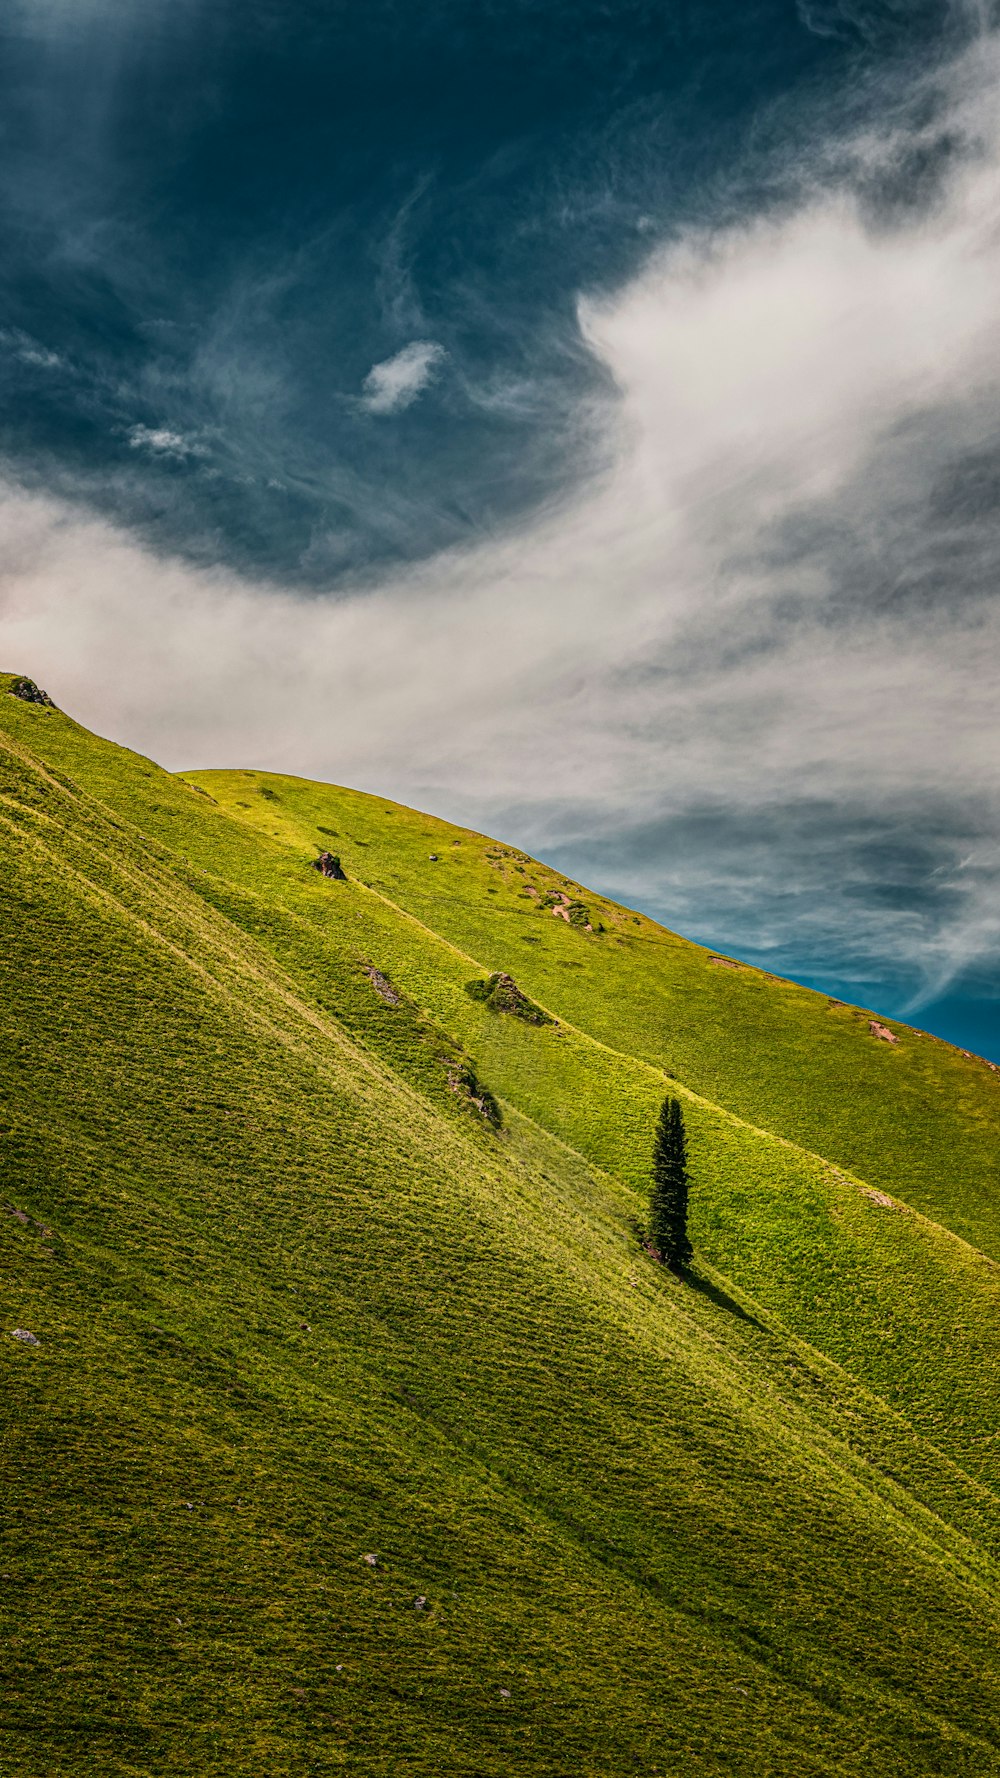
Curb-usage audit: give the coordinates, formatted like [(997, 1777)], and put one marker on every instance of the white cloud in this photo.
[(28, 350), (393, 384), (773, 599), (164, 443)]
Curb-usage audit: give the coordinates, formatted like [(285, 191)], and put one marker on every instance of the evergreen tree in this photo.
[(669, 1197)]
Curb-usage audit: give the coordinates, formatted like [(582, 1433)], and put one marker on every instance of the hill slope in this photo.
[(299, 1303), (779, 1055)]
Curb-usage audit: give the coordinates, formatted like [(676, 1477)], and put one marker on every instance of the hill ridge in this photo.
[(398, 1333), (688, 1094)]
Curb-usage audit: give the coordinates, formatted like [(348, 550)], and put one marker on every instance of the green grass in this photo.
[(298, 1302)]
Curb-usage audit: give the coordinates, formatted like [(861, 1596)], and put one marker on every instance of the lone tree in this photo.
[(669, 1197)]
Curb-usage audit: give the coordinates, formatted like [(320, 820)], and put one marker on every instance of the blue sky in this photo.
[(579, 419)]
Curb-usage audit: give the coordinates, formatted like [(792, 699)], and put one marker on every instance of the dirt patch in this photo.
[(382, 985), (565, 908), (882, 1032), (26, 1221), (881, 1198)]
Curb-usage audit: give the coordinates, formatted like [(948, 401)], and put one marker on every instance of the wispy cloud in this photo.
[(397, 381), (746, 675), (162, 442), (28, 350)]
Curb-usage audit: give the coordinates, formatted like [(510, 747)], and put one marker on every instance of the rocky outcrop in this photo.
[(329, 865), (502, 994), (573, 912), (463, 1080), (30, 693)]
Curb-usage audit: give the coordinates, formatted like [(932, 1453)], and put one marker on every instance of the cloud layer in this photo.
[(745, 672)]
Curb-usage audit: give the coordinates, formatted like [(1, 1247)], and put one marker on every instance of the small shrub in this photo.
[(502, 994)]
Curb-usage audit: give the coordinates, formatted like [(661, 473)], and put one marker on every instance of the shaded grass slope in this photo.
[(300, 1304)]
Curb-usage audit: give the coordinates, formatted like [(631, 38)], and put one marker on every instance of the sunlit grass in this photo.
[(298, 1304)]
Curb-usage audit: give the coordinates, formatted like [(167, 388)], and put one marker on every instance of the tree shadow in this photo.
[(705, 1287)]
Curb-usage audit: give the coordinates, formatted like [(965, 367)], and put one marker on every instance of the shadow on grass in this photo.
[(719, 1297)]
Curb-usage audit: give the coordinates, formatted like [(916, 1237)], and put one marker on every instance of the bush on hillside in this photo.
[(502, 994)]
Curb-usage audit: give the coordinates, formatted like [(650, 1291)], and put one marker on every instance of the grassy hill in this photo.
[(300, 1303)]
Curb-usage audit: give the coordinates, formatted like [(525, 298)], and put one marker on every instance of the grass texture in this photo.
[(300, 1303)]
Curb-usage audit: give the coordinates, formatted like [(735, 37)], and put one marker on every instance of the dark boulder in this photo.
[(328, 865), (30, 693)]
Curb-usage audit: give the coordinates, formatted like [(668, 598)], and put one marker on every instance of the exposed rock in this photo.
[(564, 908), (382, 985), (882, 1031), (329, 865), (880, 1198), (419, 1603), (372, 1561), (502, 994), (30, 693), (504, 1692), (462, 1080), (723, 963), (433, 857), (26, 1338)]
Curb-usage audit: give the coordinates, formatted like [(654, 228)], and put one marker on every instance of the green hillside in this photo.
[(299, 1302)]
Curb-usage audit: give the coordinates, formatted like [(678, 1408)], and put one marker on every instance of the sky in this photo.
[(579, 420)]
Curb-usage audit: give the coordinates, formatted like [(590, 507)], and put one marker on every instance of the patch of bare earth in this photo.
[(382, 985)]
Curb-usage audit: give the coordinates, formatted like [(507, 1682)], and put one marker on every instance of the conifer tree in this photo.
[(669, 1196)]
